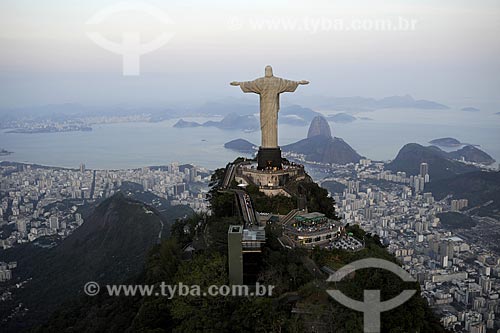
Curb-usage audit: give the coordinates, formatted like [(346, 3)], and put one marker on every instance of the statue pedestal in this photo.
[(269, 158)]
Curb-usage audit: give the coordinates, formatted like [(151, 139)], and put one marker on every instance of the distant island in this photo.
[(241, 145), (186, 124), (342, 118), (469, 151), (4, 152), (232, 121), (470, 109), (498, 113), (446, 142)]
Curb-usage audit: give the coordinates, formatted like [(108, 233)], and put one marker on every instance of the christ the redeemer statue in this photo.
[(269, 88)]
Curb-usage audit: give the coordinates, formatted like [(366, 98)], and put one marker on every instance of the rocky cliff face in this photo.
[(324, 150), (319, 127), (320, 146)]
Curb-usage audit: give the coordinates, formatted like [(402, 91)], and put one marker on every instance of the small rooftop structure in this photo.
[(253, 239), (311, 218), (243, 244), (311, 229), (235, 255)]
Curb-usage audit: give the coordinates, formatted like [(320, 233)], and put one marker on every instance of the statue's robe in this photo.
[(269, 89)]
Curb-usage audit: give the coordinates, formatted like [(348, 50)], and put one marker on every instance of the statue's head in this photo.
[(269, 71)]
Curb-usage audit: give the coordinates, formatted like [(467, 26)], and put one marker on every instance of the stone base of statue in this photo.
[(269, 158)]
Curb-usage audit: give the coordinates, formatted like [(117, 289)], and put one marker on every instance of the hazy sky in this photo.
[(452, 55)]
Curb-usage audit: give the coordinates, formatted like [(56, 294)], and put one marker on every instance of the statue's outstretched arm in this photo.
[(248, 86), (290, 85)]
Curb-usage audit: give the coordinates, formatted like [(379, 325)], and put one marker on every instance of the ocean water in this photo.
[(131, 145)]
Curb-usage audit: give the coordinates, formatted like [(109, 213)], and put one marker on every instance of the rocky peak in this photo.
[(319, 127)]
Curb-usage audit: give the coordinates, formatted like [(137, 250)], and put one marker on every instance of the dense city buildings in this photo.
[(40, 201), (459, 278), (458, 269)]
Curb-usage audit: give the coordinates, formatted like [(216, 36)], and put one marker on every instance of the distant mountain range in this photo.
[(470, 109), (232, 121), (291, 115), (223, 107), (358, 104), (298, 115), (305, 115), (441, 164)]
